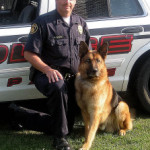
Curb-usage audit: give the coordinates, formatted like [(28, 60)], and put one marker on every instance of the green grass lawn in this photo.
[(137, 139)]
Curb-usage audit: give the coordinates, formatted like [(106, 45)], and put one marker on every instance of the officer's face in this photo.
[(65, 7)]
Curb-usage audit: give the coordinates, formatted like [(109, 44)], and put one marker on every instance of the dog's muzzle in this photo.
[(93, 73)]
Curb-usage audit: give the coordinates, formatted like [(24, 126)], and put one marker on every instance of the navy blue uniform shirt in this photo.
[(56, 42)]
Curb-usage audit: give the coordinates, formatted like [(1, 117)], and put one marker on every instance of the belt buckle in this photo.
[(67, 76)]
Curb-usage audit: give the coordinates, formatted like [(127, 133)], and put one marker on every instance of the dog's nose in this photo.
[(94, 70)]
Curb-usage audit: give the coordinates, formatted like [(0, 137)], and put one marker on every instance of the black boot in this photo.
[(61, 144)]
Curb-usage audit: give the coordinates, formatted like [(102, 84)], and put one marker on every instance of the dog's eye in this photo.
[(98, 60), (87, 60)]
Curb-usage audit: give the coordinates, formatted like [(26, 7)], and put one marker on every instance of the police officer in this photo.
[(52, 49)]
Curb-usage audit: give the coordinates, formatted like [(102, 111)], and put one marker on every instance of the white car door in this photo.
[(14, 70)]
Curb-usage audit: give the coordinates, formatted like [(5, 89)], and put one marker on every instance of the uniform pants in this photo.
[(61, 107)]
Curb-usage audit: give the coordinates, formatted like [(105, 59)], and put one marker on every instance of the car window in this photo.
[(125, 8), (90, 9), (17, 11)]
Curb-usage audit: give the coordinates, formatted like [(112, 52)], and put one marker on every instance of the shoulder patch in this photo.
[(34, 28)]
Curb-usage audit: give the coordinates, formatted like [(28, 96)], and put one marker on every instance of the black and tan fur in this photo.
[(94, 94)]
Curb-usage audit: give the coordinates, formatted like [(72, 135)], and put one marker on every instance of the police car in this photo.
[(125, 24)]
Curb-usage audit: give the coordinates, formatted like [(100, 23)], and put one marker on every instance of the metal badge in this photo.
[(34, 28), (80, 29)]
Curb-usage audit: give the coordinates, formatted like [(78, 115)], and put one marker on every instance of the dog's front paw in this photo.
[(122, 132), (83, 148)]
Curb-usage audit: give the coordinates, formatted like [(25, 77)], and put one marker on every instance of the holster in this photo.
[(32, 73)]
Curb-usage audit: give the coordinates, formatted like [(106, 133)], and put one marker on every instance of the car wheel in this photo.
[(143, 85)]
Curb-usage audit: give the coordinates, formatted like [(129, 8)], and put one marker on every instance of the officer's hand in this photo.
[(53, 75)]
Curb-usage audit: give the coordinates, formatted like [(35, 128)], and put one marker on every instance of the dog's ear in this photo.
[(83, 49), (103, 50)]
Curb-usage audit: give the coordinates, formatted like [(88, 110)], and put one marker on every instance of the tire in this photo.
[(143, 85)]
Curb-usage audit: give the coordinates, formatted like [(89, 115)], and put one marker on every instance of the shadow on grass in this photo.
[(32, 140)]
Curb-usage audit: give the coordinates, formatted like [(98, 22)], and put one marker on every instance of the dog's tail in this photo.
[(124, 116)]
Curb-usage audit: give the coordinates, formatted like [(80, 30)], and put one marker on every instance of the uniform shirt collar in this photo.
[(73, 19)]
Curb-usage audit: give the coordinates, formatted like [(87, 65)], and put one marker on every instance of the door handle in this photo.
[(23, 39), (137, 29)]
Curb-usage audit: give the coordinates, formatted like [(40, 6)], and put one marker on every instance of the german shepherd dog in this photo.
[(99, 103)]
